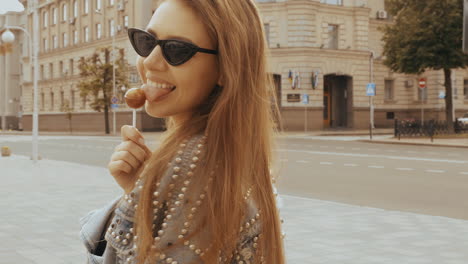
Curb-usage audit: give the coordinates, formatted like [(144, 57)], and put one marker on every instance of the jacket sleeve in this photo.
[(93, 227)]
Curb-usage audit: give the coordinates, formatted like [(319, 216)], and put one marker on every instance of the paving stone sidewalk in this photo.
[(41, 205)]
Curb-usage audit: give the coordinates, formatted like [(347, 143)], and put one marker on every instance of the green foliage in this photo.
[(97, 77), (425, 35)]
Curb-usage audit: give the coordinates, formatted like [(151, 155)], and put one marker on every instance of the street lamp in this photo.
[(9, 37)]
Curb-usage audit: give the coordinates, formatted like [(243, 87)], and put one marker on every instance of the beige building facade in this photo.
[(329, 44), (325, 46)]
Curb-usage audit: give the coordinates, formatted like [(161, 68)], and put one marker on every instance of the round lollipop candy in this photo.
[(135, 98)]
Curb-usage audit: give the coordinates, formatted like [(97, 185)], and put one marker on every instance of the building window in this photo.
[(465, 89), (54, 39), (111, 27), (86, 34), (333, 36), (98, 4), (61, 99), (73, 99), (75, 37), (125, 19), (42, 72), (389, 84), (51, 70), (45, 19), (51, 101), (267, 32), (71, 66), (64, 12), (86, 6), (44, 44), (54, 16), (61, 68), (111, 2), (42, 101), (332, 2), (65, 39), (98, 31), (75, 8)]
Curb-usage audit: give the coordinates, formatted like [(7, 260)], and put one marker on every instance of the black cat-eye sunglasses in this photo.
[(176, 52)]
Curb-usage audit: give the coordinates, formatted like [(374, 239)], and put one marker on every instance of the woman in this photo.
[(205, 195)]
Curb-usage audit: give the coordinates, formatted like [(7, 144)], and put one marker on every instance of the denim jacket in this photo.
[(119, 246)]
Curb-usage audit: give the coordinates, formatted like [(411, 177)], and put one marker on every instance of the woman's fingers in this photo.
[(118, 166)]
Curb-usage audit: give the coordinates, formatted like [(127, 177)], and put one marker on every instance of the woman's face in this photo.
[(194, 80)]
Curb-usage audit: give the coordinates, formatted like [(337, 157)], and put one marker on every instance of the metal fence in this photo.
[(429, 128)]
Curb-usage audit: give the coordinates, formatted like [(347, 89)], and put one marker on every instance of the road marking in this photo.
[(376, 167), (435, 171), (405, 169), (373, 156), (464, 172), (351, 165), (302, 161), (326, 163)]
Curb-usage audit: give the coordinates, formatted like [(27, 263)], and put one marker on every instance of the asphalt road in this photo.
[(420, 179)]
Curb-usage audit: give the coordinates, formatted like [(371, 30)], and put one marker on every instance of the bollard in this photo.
[(6, 151)]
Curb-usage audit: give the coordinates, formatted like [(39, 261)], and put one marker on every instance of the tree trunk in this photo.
[(448, 100)]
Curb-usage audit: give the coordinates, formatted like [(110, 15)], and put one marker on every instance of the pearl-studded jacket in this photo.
[(173, 219)]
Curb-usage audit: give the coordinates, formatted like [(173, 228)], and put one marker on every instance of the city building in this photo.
[(328, 50)]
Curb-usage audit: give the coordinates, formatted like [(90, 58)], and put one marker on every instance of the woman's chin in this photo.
[(157, 113)]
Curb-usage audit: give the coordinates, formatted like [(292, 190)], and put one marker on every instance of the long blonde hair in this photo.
[(238, 121)]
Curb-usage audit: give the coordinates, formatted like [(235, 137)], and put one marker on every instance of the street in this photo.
[(419, 179)]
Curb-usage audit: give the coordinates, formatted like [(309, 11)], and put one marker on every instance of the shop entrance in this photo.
[(337, 101)]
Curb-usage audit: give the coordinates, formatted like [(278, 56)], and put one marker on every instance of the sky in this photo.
[(10, 5)]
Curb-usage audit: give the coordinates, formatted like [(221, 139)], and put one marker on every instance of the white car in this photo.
[(464, 119)]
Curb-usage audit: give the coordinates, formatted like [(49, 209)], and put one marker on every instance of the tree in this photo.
[(426, 35), (65, 107), (97, 80)]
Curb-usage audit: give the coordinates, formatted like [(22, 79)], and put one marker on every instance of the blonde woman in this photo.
[(205, 195)]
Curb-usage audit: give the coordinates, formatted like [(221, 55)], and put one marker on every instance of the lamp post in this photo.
[(9, 37)]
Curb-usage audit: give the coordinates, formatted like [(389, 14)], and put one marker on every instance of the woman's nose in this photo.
[(155, 61)]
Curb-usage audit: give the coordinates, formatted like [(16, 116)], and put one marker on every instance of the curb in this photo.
[(411, 143)]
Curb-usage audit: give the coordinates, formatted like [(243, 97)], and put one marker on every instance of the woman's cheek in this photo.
[(141, 69)]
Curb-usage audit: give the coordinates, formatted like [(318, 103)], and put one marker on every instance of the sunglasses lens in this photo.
[(143, 43), (177, 52)]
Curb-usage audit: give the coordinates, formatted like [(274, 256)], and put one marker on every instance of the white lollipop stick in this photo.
[(134, 118)]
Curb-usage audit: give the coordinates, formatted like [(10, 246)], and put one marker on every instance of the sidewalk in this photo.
[(42, 203), (458, 142)]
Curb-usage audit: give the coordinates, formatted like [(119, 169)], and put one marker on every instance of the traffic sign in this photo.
[(114, 99), (370, 90), (441, 95), (305, 98), (422, 83)]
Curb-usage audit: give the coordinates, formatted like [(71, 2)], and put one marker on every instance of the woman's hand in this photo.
[(128, 157)]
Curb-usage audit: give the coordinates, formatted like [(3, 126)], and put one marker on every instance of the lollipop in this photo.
[(135, 98)]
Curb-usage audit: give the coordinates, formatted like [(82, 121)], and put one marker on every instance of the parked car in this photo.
[(464, 119)]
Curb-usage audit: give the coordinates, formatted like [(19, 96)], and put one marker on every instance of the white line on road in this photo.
[(405, 169), (373, 156), (351, 165), (464, 173), (435, 171), (302, 161), (376, 167), (326, 163)]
